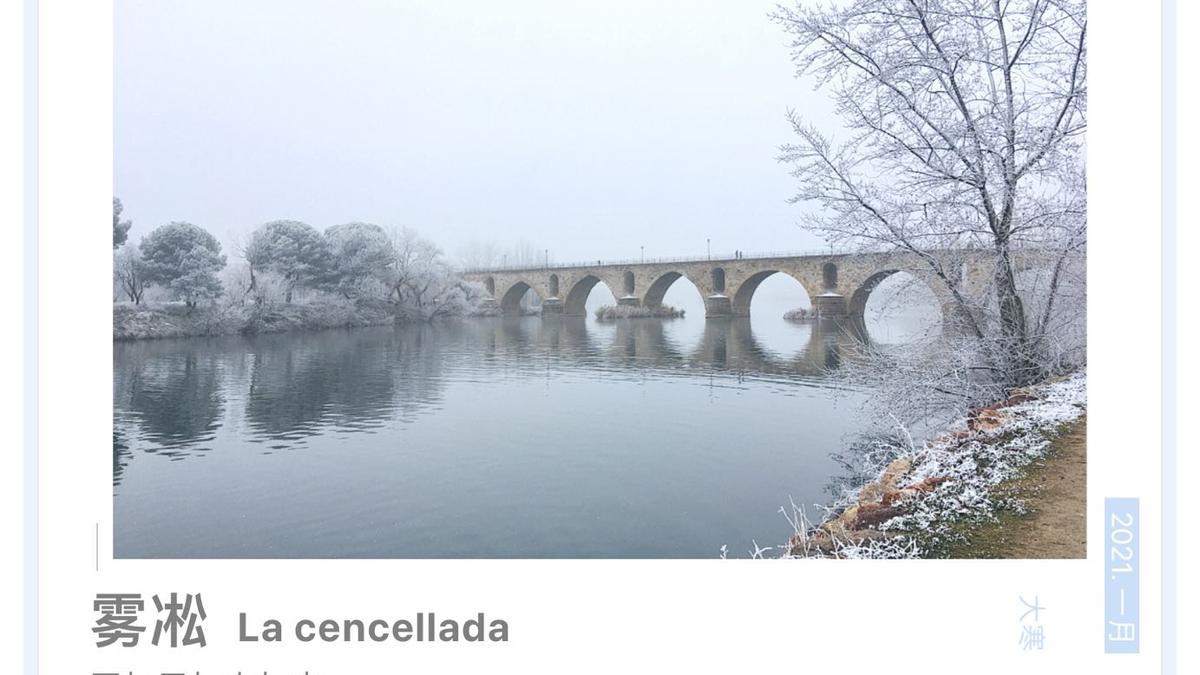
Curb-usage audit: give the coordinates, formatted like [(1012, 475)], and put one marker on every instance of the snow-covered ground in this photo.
[(920, 496)]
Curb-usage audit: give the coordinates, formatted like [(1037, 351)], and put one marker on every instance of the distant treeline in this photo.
[(354, 264)]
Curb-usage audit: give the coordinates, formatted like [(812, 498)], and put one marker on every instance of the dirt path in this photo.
[(1055, 493)]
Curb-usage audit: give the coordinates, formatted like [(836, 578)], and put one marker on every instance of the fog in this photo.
[(590, 131)]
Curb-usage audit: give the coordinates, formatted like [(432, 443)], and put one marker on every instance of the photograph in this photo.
[(530, 279), (599, 336)]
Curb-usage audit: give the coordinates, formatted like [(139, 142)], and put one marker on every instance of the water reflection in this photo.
[(171, 396), (724, 344), (527, 437), (343, 380), (120, 456)]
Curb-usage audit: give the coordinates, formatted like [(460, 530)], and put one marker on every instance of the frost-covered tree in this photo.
[(360, 257), (120, 227), (184, 259), (130, 273), (422, 284), (965, 130), (523, 254), (294, 251), (480, 255)]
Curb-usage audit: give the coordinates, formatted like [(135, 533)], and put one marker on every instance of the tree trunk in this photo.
[(1018, 365)]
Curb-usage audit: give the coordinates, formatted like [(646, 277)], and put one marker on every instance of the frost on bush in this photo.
[(612, 313), (964, 468)]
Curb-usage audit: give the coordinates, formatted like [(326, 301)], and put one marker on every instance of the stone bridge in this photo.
[(837, 284)]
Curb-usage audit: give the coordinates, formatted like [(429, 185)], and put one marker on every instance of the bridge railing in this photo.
[(631, 262)]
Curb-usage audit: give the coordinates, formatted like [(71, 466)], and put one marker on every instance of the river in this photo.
[(485, 438)]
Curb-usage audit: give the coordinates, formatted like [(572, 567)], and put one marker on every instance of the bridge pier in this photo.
[(552, 306), (629, 301), (830, 305), (717, 306)]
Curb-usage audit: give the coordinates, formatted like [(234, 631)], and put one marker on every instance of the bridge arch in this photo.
[(575, 303), (554, 285), (744, 294), (659, 287), (858, 300), (490, 284), (510, 303)]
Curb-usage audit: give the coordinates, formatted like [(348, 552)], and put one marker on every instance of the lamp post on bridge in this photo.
[(708, 244), (643, 254)]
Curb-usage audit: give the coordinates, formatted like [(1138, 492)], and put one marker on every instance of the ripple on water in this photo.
[(486, 438)]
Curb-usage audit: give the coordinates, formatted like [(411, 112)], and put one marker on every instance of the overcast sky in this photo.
[(589, 128)]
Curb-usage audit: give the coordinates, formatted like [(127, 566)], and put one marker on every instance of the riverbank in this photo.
[(1053, 523), (173, 320), (1009, 481)]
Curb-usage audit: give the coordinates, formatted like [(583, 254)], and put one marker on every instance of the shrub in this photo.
[(611, 313)]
